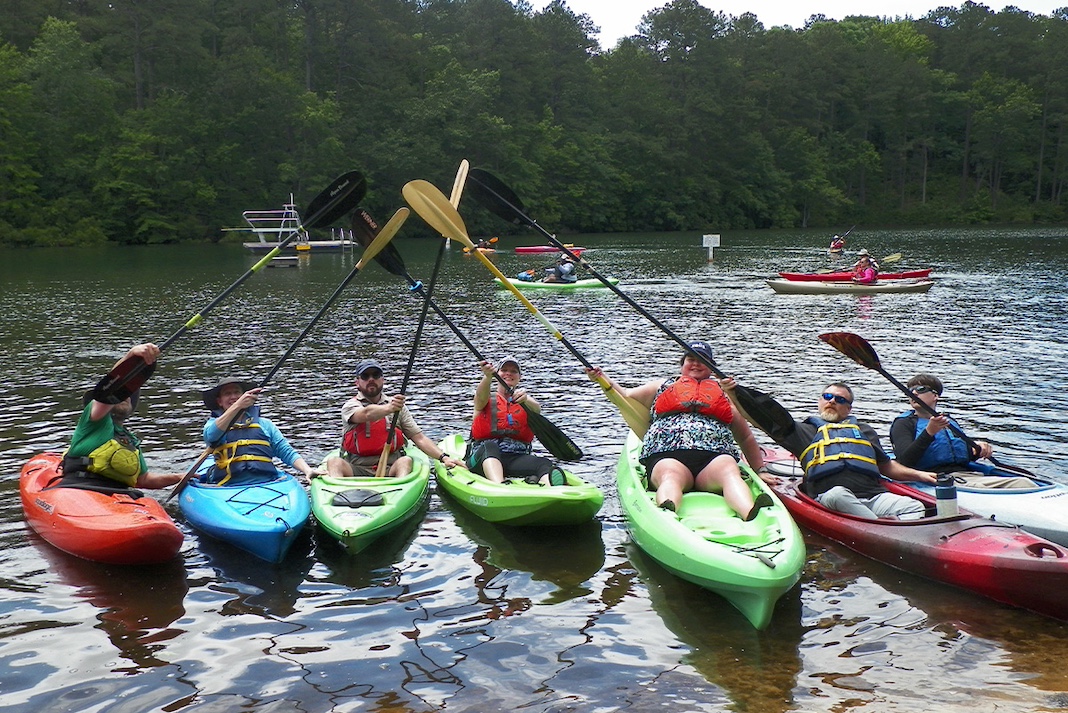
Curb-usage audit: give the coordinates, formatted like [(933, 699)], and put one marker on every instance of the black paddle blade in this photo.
[(493, 195), (365, 230), (336, 200), (853, 346), (554, 440), (767, 413), (121, 382)]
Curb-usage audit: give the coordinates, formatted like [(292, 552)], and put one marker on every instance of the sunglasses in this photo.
[(368, 375), (840, 400), (925, 390)]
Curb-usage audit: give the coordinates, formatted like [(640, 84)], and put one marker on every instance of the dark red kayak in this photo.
[(847, 276), (983, 556)]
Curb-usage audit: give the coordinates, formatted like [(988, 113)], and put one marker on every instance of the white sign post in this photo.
[(710, 242)]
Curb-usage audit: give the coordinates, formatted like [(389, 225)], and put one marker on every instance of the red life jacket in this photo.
[(501, 419), (369, 438), (687, 395)]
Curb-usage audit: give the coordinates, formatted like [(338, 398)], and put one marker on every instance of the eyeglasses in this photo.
[(925, 390), (368, 375), (840, 400)]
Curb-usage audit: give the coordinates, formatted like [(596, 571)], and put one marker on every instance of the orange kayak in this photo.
[(113, 525)]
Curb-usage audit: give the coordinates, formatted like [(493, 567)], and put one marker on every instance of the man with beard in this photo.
[(366, 420), (102, 450), (842, 457)]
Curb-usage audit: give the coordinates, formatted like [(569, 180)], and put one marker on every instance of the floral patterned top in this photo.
[(686, 432)]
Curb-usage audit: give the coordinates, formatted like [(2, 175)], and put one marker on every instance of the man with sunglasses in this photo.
[(366, 418), (939, 444), (842, 457)]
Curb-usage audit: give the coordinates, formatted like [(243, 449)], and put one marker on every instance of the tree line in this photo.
[(158, 121)]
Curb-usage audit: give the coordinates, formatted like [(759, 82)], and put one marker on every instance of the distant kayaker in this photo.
[(365, 422), (837, 244), (865, 270), (694, 435), (563, 271), (842, 458), (930, 444), (102, 449), (501, 440), (245, 443)]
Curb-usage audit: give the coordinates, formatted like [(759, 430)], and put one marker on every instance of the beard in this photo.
[(372, 392), (830, 414)]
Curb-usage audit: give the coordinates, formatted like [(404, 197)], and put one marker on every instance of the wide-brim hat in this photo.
[(211, 396), (863, 251)]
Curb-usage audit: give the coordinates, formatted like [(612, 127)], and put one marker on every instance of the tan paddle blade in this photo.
[(895, 257), (855, 347), (384, 236), (636, 415), (458, 184), (434, 208)]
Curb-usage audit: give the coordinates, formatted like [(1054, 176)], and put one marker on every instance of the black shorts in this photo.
[(695, 461)]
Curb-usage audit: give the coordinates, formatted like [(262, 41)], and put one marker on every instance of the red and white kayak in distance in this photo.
[(547, 249), (848, 276)]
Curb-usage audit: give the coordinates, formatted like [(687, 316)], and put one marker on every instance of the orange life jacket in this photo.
[(501, 418), (687, 395), (369, 438)]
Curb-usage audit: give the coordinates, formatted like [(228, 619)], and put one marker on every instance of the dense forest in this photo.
[(155, 121)]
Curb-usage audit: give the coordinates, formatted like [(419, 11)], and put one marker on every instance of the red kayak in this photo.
[(547, 249), (847, 276), (982, 556), (116, 525)]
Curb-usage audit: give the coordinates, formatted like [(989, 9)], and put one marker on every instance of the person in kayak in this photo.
[(865, 271), (501, 440), (842, 457), (244, 443), (932, 443), (102, 451), (366, 418), (837, 244), (694, 436), (563, 271)]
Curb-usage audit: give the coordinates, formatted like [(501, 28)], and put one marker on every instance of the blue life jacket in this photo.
[(947, 448), (242, 451), (835, 447)]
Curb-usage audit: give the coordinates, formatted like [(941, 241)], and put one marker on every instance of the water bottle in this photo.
[(946, 495)]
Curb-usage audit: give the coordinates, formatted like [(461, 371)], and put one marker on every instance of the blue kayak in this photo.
[(262, 516)]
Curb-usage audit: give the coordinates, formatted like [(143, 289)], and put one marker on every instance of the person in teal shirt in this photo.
[(102, 447)]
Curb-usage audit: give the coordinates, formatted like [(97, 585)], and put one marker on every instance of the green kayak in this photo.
[(587, 284), (516, 502), (750, 564), (357, 511)]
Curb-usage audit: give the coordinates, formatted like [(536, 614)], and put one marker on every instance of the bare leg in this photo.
[(338, 468), (493, 469), (671, 479), (722, 476), (401, 467)]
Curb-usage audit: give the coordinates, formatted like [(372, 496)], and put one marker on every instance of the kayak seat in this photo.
[(86, 481), (357, 498)]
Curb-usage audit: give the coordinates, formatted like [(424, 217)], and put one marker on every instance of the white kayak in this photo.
[(794, 287)]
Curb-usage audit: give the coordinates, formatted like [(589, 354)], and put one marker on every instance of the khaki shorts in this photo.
[(365, 466)]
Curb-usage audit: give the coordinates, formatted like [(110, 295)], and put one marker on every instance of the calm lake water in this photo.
[(459, 615)]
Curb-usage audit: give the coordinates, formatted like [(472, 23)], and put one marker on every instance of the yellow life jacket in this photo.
[(118, 459)]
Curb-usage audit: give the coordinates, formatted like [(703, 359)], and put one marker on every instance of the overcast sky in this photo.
[(619, 18)]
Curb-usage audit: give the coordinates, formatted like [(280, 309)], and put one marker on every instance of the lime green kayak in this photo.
[(750, 564), (586, 284), (516, 502), (357, 511)]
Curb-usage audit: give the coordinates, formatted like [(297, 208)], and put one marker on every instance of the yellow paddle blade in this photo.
[(434, 208), (636, 415), (384, 236), (895, 257), (458, 184)]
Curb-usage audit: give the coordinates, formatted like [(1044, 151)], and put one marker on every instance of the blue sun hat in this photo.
[(701, 349)]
